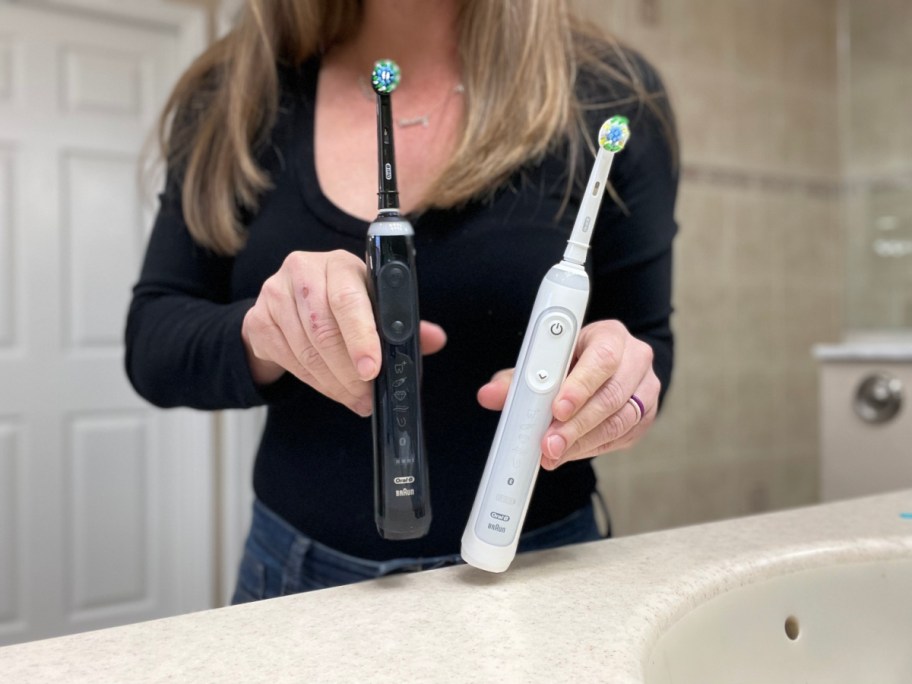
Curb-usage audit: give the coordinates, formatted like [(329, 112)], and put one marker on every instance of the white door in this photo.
[(106, 505)]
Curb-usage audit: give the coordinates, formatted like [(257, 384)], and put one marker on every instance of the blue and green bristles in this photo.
[(614, 134), (385, 76)]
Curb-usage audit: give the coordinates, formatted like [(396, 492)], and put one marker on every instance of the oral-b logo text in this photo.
[(404, 480), (500, 516), (389, 171)]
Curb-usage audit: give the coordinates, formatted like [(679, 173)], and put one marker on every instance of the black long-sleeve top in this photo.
[(479, 268)]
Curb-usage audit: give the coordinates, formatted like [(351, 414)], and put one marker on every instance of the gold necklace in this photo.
[(423, 120)]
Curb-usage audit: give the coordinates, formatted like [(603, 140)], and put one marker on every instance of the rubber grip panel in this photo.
[(396, 301)]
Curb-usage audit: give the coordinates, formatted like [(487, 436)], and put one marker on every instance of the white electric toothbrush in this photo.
[(492, 532)]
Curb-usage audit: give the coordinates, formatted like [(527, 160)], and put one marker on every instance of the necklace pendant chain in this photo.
[(424, 121)]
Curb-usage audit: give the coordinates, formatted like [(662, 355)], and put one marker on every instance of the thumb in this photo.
[(493, 395)]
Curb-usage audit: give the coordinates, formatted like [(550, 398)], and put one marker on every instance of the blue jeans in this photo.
[(278, 560)]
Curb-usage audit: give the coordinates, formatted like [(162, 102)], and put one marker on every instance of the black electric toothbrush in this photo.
[(402, 507)]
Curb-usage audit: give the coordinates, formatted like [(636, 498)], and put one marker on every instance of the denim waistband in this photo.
[(285, 541)]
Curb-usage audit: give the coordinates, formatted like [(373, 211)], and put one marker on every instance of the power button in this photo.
[(549, 350)]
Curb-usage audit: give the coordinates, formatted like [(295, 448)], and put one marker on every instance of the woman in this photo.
[(253, 287)]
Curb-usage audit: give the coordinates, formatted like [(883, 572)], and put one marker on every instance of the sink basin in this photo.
[(845, 622)]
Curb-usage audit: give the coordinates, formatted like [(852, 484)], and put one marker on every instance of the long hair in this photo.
[(515, 54)]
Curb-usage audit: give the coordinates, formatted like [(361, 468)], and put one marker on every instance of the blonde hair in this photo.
[(516, 55)]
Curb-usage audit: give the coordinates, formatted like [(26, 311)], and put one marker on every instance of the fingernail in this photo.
[(366, 368), (565, 408), (556, 446)]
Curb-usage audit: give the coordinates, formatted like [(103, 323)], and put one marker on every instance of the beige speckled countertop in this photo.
[(584, 613)]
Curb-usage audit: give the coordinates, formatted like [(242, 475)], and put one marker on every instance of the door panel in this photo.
[(7, 238), (98, 184), (6, 69), (106, 522), (98, 81), (9, 523)]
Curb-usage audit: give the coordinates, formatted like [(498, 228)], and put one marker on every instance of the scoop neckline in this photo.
[(308, 183), (433, 220)]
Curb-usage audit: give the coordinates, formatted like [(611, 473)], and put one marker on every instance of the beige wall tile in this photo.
[(705, 115), (881, 30), (703, 247), (704, 320), (809, 44), (754, 329), (761, 268), (811, 242), (755, 485), (701, 32), (796, 481), (795, 411), (812, 314), (709, 421), (753, 395), (680, 495), (753, 246), (758, 48)]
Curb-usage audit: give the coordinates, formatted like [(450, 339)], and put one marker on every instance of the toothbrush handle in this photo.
[(401, 488), (492, 533), (527, 415)]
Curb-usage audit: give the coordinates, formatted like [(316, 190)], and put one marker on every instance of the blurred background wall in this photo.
[(796, 230), (760, 274), (877, 162)]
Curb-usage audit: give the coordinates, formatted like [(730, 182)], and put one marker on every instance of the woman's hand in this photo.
[(593, 412), (313, 318)]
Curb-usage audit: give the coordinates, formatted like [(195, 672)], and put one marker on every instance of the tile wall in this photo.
[(759, 258), (877, 149)]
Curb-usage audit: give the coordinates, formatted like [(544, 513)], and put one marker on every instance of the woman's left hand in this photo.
[(593, 411)]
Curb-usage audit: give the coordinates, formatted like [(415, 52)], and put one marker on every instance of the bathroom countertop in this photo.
[(585, 613), (864, 351)]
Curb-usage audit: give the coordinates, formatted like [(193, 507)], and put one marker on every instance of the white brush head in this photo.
[(614, 134), (612, 137)]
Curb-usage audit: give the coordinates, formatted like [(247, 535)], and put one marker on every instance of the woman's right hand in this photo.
[(313, 318)]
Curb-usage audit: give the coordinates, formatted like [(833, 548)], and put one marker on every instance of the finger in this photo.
[(625, 442), (433, 338), (326, 357), (603, 345), (616, 428), (272, 344), (283, 309), (493, 395), (351, 311), (263, 369), (607, 401)]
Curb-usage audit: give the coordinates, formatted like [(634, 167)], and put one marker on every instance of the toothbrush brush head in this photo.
[(614, 134), (385, 76)]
